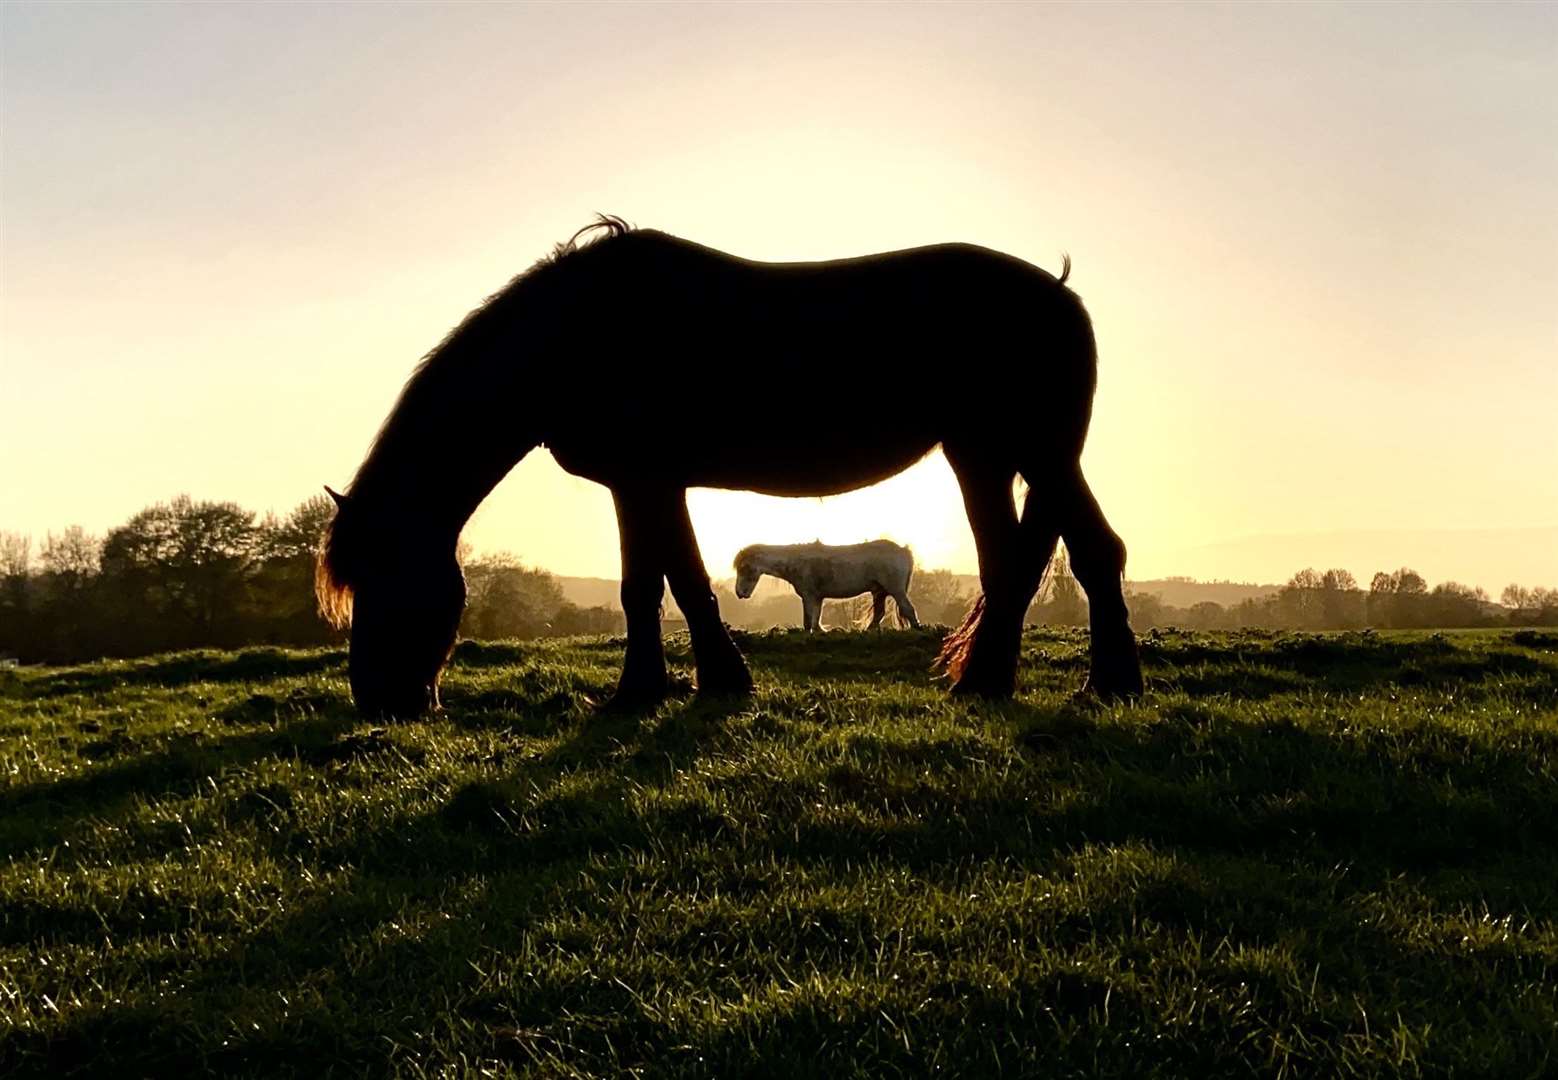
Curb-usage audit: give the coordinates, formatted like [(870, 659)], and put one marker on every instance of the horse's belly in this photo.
[(800, 465), (808, 466)]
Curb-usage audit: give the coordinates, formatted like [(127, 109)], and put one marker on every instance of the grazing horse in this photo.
[(644, 362), (821, 572)]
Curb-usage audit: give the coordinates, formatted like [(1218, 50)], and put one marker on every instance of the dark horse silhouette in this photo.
[(645, 363)]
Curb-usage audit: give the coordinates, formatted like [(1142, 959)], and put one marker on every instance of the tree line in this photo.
[(186, 574), (1333, 600)]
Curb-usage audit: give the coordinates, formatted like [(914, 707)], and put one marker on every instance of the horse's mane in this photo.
[(604, 227), (335, 569)]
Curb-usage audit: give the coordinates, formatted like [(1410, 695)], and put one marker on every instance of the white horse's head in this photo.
[(751, 564)]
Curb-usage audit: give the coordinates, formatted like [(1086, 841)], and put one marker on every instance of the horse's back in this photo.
[(950, 344), (952, 290), (845, 570), (853, 327)]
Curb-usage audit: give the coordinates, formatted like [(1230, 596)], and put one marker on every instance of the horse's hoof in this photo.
[(629, 700), (1085, 700), (1113, 691), (1115, 672), (735, 684), (980, 690)]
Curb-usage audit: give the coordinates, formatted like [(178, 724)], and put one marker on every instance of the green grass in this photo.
[(1300, 856)]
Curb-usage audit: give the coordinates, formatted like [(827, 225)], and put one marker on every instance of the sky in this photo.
[(1319, 244)]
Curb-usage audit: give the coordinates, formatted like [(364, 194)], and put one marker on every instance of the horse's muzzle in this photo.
[(404, 705)]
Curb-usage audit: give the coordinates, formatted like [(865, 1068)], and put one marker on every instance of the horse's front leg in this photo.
[(721, 670), (643, 681)]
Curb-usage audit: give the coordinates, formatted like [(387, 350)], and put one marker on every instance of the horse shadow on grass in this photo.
[(1203, 778), (1252, 665), (1255, 665), (173, 670), (1249, 665), (1273, 834), (48, 814), (500, 846)]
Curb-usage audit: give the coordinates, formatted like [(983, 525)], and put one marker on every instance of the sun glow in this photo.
[(215, 288), (920, 507)]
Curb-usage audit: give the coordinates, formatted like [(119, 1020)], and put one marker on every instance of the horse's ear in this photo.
[(340, 500)]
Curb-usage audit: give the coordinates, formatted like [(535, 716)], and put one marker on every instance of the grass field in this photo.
[(1298, 856)]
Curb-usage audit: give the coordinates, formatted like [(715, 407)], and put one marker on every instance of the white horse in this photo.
[(821, 571)]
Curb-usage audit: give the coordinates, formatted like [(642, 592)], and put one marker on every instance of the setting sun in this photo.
[(1305, 324)]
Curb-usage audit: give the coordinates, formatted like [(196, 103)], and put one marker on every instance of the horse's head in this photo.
[(749, 567), (402, 598)]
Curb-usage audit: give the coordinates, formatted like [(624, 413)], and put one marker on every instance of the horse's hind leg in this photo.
[(981, 656), (878, 607), (906, 612), (721, 670), (1098, 560)]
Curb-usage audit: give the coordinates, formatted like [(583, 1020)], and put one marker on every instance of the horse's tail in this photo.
[(908, 579), (954, 650)]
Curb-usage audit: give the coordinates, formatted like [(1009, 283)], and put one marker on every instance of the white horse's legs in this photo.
[(906, 610), (811, 613)]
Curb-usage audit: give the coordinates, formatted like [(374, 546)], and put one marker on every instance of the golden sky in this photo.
[(1319, 243)]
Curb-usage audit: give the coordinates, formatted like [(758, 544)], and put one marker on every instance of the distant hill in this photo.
[(1489, 557), (607, 592), (1176, 592), (591, 591), (1184, 592)]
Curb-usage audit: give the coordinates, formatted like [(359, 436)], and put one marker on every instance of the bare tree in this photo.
[(15, 555), (72, 557), (1517, 597)]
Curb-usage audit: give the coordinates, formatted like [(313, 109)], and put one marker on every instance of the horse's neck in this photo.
[(460, 424), (439, 492), (783, 568)]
